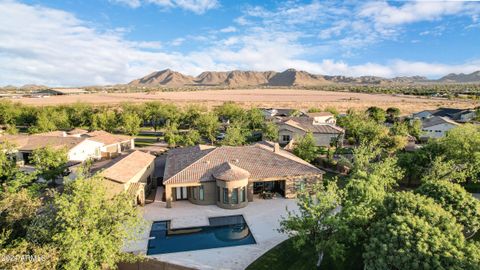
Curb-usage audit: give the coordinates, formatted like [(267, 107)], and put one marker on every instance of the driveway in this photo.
[(262, 216)]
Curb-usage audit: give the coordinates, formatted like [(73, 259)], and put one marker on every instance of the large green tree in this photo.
[(50, 163), (414, 232), (207, 124), (131, 123), (314, 223), (270, 131), (306, 148), (457, 201)]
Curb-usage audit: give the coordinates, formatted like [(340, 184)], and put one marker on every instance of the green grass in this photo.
[(146, 140), (286, 257)]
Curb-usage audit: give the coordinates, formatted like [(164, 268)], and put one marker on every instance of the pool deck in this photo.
[(262, 216)]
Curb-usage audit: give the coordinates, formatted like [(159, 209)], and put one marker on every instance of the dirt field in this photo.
[(278, 98)]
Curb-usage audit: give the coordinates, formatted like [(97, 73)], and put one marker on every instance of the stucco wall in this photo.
[(85, 150), (209, 191), (437, 131)]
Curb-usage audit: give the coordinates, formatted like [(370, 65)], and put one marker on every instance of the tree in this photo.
[(190, 138), (441, 169), (159, 114), (270, 131), (80, 114), (104, 120), (377, 114), (81, 228), (93, 228), (171, 135), (306, 148), (416, 233), (131, 123), (234, 136), (232, 112), (462, 146), (415, 128), (392, 114), (457, 201), (208, 125), (255, 118), (313, 224), (50, 163), (44, 123)]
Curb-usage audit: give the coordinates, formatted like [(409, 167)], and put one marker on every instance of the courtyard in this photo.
[(262, 216)]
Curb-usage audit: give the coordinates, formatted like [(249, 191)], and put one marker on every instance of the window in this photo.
[(225, 195), (235, 196), (286, 138), (218, 194), (242, 194), (201, 193), (194, 193)]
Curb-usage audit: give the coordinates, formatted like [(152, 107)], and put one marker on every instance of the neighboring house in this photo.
[(78, 149), (61, 91), (322, 127), (453, 113), (132, 172), (112, 144), (279, 113), (80, 145), (322, 118), (464, 116), (230, 176), (437, 126)]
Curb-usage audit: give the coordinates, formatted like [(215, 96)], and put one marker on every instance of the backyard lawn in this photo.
[(146, 140), (286, 257)]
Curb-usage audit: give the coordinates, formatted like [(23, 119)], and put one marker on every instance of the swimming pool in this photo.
[(222, 232)]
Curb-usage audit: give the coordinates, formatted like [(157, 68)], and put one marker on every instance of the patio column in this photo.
[(168, 196)]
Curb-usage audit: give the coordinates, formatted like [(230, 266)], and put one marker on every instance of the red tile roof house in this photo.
[(229, 176)]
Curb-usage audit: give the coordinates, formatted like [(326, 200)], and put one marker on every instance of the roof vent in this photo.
[(236, 160), (207, 162)]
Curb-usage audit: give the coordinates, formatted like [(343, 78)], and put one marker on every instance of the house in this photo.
[(132, 172), (112, 144), (322, 126), (78, 149), (61, 91), (452, 113), (464, 116), (322, 118), (279, 113), (80, 145), (437, 126), (230, 176)]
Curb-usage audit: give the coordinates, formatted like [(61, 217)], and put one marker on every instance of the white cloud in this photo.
[(415, 11), (229, 29), (196, 6), (130, 3), (54, 47)]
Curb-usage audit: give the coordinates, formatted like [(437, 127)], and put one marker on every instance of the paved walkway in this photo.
[(262, 217)]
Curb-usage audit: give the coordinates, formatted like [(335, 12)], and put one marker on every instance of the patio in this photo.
[(262, 216)]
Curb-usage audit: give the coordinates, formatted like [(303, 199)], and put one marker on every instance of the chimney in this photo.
[(276, 148)]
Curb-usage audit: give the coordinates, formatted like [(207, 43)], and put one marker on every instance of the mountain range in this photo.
[(289, 77)]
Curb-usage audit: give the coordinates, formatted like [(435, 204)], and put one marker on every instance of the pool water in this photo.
[(222, 232)]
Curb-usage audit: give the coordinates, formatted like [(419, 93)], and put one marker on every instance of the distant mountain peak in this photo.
[(286, 78)]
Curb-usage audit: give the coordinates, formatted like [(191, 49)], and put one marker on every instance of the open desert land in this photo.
[(278, 98)]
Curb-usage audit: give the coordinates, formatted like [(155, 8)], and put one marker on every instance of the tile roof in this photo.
[(106, 137), (306, 124), (437, 120), (315, 114), (193, 165), (229, 172), (77, 131), (30, 143), (122, 169)]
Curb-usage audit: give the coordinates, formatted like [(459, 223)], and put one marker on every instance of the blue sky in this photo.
[(69, 43)]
